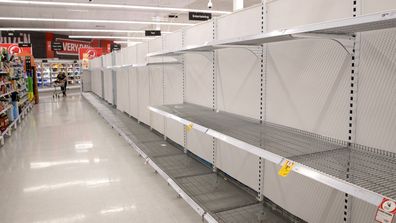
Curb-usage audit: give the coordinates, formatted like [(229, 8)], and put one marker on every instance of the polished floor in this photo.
[(66, 165)]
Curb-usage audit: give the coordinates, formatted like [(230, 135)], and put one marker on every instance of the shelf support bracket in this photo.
[(345, 41)]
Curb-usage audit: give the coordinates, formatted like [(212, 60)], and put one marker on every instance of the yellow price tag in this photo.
[(189, 127), (286, 168)]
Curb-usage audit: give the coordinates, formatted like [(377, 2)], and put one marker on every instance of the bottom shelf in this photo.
[(14, 124), (214, 196)]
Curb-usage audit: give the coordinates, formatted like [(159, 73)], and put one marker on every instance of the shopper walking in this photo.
[(62, 78)]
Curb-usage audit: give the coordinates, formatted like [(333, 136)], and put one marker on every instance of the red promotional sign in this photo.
[(13, 48), (91, 52), (72, 47), (386, 211)]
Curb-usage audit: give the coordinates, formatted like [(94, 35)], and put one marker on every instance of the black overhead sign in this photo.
[(115, 47), (9, 34), (25, 45), (199, 16), (28, 63), (153, 33), (56, 46)]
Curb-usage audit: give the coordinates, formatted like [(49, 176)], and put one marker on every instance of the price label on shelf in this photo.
[(189, 127), (386, 211), (287, 167)]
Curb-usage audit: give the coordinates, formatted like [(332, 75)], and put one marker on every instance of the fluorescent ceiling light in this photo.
[(77, 10), (127, 42), (112, 6), (110, 37), (71, 30), (95, 21)]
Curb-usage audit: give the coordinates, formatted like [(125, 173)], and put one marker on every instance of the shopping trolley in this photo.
[(57, 88)]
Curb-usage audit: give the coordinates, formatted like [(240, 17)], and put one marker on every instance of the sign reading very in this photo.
[(72, 47), (14, 48), (199, 16), (153, 33)]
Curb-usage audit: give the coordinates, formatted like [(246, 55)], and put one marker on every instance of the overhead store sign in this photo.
[(87, 54), (90, 52), (115, 47), (153, 33), (57, 46), (9, 34), (199, 16), (72, 47), (14, 48)]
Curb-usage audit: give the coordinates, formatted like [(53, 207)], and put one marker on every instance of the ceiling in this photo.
[(34, 11)]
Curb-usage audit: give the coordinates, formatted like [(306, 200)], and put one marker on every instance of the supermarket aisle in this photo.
[(67, 165)]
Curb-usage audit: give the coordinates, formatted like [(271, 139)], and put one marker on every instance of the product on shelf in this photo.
[(13, 88), (4, 122), (48, 72)]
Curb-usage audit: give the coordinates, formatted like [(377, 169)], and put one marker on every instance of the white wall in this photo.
[(133, 93), (156, 73), (122, 89), (143, 94), (157, 96), (283, 14), (173, 94), (108, 85)]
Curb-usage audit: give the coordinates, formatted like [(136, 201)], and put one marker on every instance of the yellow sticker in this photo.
[(286, 168), (189, 127)]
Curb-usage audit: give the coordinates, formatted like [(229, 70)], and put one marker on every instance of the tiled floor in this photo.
[(66, 165)]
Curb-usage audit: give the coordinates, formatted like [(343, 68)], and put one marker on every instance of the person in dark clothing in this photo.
[(62, 78)]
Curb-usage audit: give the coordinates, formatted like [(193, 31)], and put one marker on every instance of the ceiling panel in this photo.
[(106, 14)]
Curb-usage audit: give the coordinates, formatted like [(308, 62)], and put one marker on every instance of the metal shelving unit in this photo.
[(6, 94), (323, 160), (350, 168), (14, 124), (212, 195), (320, 159), (5, 109), (336, 29)]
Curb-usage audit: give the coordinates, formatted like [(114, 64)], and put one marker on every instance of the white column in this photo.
[(238, 4)]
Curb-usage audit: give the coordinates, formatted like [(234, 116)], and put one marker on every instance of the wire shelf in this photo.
[(351, 166), (285, 141), (182, 165), (256, 213), (223, 199), (215, 193), (366, 169), (158, 148)]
